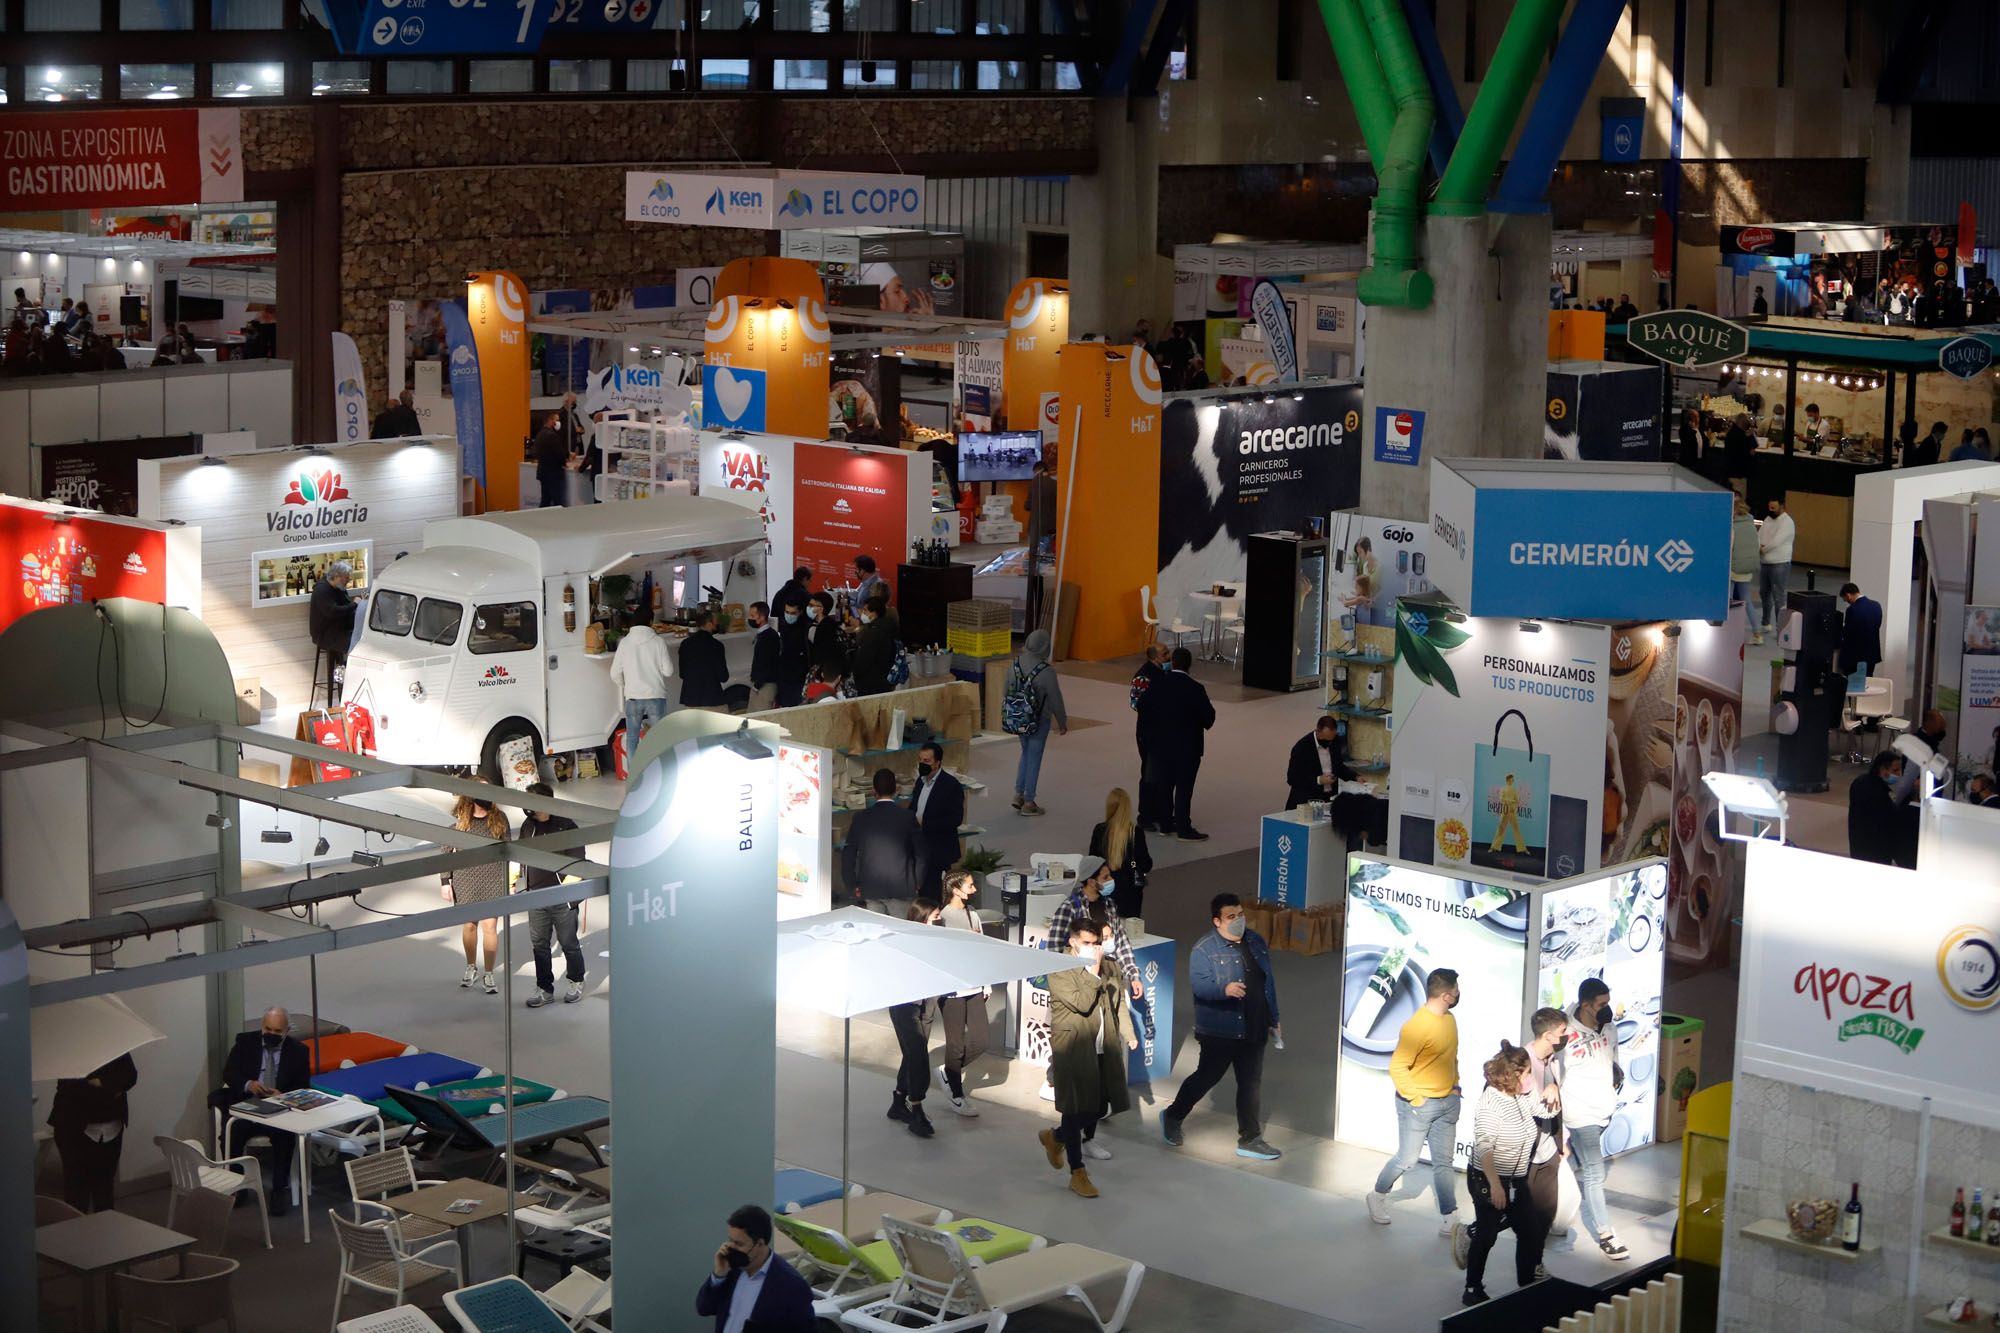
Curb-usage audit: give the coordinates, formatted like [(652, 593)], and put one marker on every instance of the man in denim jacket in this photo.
[(1235, 1011)]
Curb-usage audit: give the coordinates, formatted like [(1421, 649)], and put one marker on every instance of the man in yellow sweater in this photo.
[(1424, 1069)]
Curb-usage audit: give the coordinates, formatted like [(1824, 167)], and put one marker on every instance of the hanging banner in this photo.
[(497, 308), (468, 401), (104, 159), (1500, 744), (1230, 467), (1037, 328), (848, 502), (978, 383), (1274, 321), (350, 400), (783, 342), (398, 348)]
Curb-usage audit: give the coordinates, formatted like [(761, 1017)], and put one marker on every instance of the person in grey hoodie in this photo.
[(1034, 667), (1743, 561)]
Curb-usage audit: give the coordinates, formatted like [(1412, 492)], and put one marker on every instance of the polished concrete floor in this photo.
[(1231, 1244)]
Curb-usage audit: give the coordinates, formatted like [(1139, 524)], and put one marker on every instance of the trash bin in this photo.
[(1680, 1073)]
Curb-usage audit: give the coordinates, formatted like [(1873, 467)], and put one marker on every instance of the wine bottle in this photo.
[(1380, 989), (1958, 1212), (1850, 1220), (1976, 1218), (1992, 1228)]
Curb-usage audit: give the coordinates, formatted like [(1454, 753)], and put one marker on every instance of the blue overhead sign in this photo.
[(442, 27), (601, 15)]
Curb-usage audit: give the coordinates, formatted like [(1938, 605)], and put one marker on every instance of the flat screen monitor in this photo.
[(998, 455)]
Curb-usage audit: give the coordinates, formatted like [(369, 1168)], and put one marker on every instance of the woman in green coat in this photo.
[(1090, 1032)]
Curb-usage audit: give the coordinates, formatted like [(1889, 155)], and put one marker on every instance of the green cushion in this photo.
[(464, 1097)]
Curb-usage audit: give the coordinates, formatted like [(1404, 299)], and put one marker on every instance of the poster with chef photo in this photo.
[(1500, 738), (1403, 923)]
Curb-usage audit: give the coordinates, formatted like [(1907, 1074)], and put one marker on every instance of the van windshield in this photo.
[(391, 612), (437, 621)]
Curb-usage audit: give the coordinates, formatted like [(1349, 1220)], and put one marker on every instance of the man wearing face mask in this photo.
[(827, 657), (1424, 1070), (262, 1064), (939, 802), (1090, 1031), (753, 1289), (1318, 765), (1591, 1082), (875, 649), (1235, 1011), (793, 645), (764, 653)]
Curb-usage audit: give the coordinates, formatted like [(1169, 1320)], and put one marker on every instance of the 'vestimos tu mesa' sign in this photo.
[(1687, 338)]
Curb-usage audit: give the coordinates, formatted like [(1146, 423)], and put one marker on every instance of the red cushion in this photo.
[(359, 1047)]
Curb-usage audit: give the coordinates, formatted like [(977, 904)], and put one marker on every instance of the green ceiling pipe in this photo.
[(1393, 278), (1354, 51), (1490, 124)]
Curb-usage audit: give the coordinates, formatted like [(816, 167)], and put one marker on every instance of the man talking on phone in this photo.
[(752, 1290)]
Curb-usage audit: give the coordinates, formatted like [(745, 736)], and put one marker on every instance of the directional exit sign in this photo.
[(441, 27)]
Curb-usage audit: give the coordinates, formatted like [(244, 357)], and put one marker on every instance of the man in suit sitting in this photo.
[(939, 803), (263, 1064), (1317, 766), (884, 856), (753, 1290)]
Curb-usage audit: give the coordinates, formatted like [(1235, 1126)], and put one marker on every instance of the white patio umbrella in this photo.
[(74, 1038), (855, 961)]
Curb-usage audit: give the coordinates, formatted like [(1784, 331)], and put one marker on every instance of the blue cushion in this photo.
[(796, 1185), (405, 1071)]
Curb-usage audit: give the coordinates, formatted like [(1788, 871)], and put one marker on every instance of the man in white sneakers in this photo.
[(1591, 1080)]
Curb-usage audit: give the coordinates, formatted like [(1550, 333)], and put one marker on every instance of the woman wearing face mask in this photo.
[(1090, 1033), (964, 1014), (794, 647), (1512, 1175), (874, 649), (477, 884), (913, 1039), (1122, 843)]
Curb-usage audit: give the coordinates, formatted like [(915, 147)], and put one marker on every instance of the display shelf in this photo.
[(1944, 1237), (1361, 659), (1369, 768), (1774, 1232), (1353, 710)]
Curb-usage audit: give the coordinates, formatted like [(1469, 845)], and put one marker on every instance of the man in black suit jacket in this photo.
[(89, 1116), (704, 665), (745, 1269), (1317, 765), (1154, 814), (1178, 715), (884, 856), (261, 1064), (764, 651), (939, 803)]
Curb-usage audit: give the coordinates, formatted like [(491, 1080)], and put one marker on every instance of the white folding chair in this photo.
[(189, 1169), (1174, 630), (581, 1298)]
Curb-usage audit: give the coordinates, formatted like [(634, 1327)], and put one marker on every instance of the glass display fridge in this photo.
[(1284, 612)]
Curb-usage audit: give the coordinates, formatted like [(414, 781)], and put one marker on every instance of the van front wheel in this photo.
[(513, 729)]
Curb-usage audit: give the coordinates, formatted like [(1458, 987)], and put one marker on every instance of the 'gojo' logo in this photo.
[(1879, 998)]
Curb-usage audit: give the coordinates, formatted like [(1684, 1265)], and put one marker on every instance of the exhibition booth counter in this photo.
[(1515, 949)]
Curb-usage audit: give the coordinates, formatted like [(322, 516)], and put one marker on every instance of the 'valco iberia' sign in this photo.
[(1687, 338), (1964, 357)]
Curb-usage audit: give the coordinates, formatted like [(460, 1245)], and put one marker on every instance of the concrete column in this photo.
[(1475, 362), (1887, 189), (1114, 270)]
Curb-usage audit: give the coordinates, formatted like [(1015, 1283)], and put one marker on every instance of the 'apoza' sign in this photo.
[(1687, 338), (1964, 357)]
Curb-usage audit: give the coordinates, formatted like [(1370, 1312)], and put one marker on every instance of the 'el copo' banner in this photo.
[(102, 159), (350, 399), (1037, 328), (1500, 744), (497, 308), (1839, 994), (693, 861), (1233, 466)]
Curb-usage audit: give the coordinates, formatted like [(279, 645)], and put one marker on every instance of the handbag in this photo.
[(1510, 810)]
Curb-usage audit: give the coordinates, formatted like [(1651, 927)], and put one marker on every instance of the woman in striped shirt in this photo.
[(1512, 1177)]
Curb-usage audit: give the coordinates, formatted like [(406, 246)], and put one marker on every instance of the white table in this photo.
[(304, 1124), (1218, 609)]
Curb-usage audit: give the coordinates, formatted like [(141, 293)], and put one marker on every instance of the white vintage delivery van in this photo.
[(480, 637)]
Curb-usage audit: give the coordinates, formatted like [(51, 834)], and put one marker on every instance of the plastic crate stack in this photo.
[(979, 628)]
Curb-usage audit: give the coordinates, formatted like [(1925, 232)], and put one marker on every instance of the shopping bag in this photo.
[(1510, 803)]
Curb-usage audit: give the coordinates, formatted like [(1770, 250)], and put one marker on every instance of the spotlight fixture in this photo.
[(275, 835), (742, 742), (368, 858), (321, 847), (217, 821), (1531, 627)]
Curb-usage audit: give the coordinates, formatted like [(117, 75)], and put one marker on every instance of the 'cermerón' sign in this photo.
[(1687, 338)]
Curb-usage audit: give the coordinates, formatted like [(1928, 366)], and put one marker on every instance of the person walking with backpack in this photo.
[(1032, 705)]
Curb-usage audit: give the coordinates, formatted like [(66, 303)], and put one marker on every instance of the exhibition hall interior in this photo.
[(1061, 665)]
